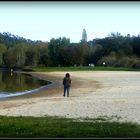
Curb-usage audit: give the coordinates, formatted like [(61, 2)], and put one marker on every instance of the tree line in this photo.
[(114, 50)]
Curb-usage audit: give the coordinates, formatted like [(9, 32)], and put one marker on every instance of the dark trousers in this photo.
[(66, 90)]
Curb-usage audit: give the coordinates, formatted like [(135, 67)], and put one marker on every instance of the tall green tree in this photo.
[(32, 56), (20, 51), (43, 54), (2, 51), (136, 45), (10, 57), (55, 46)]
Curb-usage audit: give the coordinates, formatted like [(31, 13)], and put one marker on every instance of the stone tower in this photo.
[(84, 36)]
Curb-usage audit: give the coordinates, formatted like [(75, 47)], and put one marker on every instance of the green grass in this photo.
[(55, 127), (82, 68)]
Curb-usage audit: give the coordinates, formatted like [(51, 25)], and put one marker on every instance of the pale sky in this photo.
[(46, 20)]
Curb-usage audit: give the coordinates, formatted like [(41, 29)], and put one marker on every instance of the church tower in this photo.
[(84, 36)]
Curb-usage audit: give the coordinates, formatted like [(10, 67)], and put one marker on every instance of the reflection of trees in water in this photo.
[(16, 82), (13, 82), (19, 82), (32, 82)]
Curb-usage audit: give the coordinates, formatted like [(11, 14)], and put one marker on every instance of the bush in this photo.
[(137, 65), (27, 68), (123, 61)]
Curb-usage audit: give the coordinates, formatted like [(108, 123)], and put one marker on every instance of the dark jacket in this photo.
[(67, 81)]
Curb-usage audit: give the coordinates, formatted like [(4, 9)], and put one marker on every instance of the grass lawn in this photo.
[(82, 68), (55, 127)]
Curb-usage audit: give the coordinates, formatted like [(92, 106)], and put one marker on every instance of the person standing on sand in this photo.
[(67, 84)]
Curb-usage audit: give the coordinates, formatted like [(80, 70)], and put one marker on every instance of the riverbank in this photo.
[(93, 94)]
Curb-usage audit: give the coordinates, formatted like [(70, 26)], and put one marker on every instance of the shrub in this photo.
[(124, 61)]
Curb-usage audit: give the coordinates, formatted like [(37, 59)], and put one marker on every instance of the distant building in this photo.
[(84, 36)]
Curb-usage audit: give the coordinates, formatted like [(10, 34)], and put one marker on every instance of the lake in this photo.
[(15, 84)]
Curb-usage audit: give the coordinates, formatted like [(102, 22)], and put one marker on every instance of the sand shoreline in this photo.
[(93, 94)]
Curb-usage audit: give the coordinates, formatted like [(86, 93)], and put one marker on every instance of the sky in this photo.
[(46, 20)]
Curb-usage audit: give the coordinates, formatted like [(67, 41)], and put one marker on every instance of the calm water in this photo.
[(13, 84)]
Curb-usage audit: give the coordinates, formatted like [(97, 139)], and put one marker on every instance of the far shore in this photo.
[(93, 94)]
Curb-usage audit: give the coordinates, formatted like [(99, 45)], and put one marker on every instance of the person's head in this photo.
[(67, 75)]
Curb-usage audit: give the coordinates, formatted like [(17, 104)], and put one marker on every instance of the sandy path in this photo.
[(93, 94)]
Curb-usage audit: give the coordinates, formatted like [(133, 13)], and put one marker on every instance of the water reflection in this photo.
[(12, 82)]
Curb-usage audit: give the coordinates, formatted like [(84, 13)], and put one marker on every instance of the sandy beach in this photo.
[(93, 94)]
